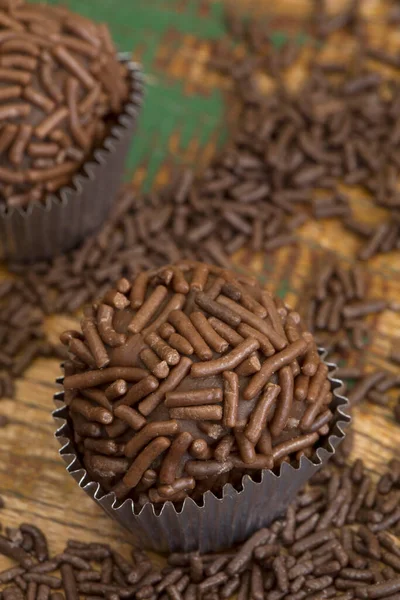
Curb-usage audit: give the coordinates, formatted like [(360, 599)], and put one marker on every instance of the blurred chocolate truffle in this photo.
[(61, 90)]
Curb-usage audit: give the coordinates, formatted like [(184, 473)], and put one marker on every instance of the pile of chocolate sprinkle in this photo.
[(22, 336), (305, 150), (338, 310), (338, 313), (338, 307), (376, 386)]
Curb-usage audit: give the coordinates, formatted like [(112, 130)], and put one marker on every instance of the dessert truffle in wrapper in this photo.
[(68, 107), (195, 406)]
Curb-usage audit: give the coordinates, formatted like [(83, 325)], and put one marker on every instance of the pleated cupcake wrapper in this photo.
[(220, 522), (60, 222)]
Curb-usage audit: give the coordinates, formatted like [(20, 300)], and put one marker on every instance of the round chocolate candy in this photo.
[(189, 377), (61, 88)]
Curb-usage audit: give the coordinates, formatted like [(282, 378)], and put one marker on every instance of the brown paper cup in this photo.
[(62, 221), (219, 522)]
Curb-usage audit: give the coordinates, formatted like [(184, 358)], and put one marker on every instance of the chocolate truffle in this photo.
[(189, 377), (61, 89)]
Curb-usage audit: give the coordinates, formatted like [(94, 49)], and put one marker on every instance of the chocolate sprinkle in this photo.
[(163, 420), (48, 93)]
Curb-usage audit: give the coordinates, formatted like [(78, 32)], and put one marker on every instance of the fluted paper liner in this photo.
[(61, 221), (220, 522)]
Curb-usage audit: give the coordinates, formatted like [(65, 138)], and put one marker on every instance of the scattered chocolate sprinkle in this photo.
[(245, 581)]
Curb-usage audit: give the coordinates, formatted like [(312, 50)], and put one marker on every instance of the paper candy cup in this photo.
[(60, 222), (219, 522)]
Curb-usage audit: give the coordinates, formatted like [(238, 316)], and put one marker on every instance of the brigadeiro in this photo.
[(68, 108), (195, 405)]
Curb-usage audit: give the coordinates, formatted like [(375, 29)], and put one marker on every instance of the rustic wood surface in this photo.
[(33, 480)]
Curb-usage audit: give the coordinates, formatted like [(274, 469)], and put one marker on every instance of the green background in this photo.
[(143, 27)]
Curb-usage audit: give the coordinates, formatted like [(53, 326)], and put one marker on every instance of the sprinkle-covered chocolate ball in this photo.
[(61, 88), (189, 377)]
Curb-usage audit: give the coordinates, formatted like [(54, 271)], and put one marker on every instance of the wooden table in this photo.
[(33, 480)]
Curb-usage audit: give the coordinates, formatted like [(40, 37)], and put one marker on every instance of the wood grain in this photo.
[(33, 479)]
